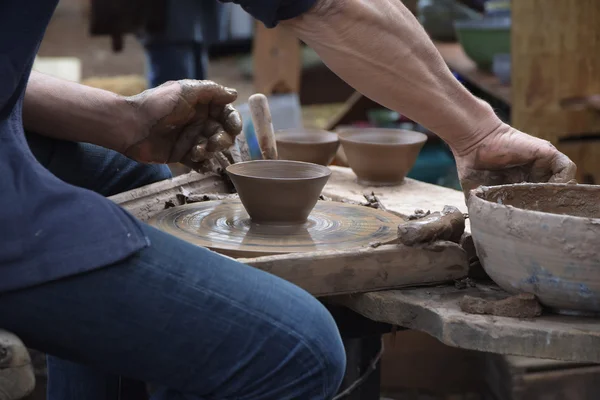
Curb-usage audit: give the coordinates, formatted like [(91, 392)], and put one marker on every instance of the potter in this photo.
[(83, 280)]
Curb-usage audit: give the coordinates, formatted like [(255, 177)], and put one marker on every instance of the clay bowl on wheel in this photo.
[(542, 239), (308, 145), (278, 192), (381, 157)]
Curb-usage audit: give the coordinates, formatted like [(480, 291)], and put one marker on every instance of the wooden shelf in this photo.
[(458, 61)]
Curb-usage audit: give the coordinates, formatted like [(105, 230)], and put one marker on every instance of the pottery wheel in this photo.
[(224, 226)]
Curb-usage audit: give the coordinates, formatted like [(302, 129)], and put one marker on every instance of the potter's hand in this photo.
[(187, 121), (510, 156)]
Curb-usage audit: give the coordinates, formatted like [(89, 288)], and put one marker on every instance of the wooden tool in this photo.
[(263, 125)]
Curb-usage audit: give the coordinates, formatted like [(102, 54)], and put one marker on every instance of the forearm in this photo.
[(70, 111), (379, 48)]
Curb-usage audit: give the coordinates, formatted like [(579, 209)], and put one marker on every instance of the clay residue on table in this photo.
[(449, 224), (519, 306)]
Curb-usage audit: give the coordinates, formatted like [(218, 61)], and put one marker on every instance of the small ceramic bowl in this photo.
[(278, 192), (542, 239), (381, 157), (308, 145)]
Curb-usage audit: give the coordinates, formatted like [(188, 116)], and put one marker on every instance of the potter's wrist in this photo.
[(128, 125), (478, 122)]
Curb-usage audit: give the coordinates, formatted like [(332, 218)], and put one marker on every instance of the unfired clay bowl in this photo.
[(308, 145), (278, 192), (542, 239), (381, 157)]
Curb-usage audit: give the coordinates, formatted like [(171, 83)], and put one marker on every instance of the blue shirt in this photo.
[(50, 229)]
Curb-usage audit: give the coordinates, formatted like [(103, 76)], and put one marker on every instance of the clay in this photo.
[(308, 145), (381, 157), (224, 226), (541, 239), (278, 192), (476, 270), (449, 225), (519, 306)]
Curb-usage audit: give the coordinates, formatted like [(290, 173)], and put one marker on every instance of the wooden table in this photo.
[(435, 310), (432, 309)]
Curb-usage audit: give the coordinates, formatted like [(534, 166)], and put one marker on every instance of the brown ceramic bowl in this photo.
[(277, 191), (542, 239), (308, 145), (381, 157)]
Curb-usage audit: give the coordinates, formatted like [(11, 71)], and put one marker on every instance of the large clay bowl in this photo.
[(308, 145), (542, 239), (381, 157), (278, 192)]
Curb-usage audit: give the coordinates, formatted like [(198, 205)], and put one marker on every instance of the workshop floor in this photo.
[(67, 36)]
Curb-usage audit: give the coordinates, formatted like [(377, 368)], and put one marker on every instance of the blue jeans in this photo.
[(190, 322), (181, 51)]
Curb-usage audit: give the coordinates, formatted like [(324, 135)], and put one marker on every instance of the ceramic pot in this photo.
[(381, 157), (278, 192), (542, 239), (307, 145)]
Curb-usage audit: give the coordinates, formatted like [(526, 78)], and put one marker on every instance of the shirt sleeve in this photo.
[(270, 12)]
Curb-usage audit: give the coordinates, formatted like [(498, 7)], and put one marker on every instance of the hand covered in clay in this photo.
[(509, 156), (186, 121)]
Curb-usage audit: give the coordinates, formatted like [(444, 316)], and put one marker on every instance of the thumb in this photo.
[(563, 169), (206, 92)]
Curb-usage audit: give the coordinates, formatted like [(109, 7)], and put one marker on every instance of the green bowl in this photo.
[(482, 40)]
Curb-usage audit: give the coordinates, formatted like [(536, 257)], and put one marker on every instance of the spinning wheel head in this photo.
[(225, 227)]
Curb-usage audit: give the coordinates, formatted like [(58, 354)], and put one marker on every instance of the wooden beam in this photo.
[(554, 57), (329, 273), (277, 60)]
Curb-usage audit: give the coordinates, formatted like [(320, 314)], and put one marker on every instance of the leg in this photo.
[(186, 319), (181, 52), (105, 172)]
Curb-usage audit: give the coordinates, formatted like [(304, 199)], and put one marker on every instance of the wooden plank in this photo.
[(146, 201), (402, 199), (574, 383), (17, 379), (460, 63), (586, 155), (554, 57), (277, 60), (355, 271), (436, 312)]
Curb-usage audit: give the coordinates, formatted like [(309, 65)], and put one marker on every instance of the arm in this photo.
[(380, 49), (70, 111), (186, 121)]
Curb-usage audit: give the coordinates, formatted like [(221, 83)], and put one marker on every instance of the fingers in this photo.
[(228, 117), (206, 92), (218, 139), (190, 137)]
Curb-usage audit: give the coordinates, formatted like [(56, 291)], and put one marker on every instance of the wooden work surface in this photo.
[(435, 311), (458, 62)]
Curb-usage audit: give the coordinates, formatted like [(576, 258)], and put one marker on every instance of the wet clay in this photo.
[(224, 226), (381, 157), (449, 224), (541, 239), (308, 145), (519, 306), (277, 191)]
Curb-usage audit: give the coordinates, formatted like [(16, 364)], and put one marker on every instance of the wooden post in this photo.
[(277, 61), (555, 56)]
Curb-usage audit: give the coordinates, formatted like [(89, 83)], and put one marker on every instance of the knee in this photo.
[(324, 342)]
